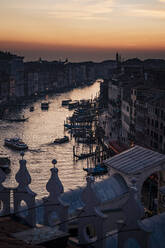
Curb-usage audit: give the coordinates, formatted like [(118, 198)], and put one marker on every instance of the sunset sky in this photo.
[(83, 29)]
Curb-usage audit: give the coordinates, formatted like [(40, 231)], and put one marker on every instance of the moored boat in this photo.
[(99, 169), (61, 140), (86, 140), (17, 120), (5, 164), (31, 109), (84, 155), (70, 126), (44, 105), (15, 143), (73, 105), (66, 102)]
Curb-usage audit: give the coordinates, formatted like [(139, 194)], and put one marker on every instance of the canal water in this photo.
[(38, 132)]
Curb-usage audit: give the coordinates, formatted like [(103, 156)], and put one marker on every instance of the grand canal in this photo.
[(38, 132)]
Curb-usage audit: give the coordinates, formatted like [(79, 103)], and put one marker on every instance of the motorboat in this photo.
[(5, 164), (73, 105), (44, 105), (15, 143), (99, 169), (70, 126), (17, 120), (61, 140), (66, 102), (31, 109)]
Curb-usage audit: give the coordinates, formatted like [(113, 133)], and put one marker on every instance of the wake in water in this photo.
[(36, 150), (47, 144)]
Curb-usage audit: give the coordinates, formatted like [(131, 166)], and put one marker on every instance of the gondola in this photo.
[(61, 140)]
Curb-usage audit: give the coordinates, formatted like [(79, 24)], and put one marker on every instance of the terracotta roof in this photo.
[(117, 147)]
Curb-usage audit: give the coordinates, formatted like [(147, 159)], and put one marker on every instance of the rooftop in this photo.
[(135, 160)]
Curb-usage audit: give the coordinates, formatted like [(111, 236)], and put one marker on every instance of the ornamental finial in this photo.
[(22, 154), (54, 161)]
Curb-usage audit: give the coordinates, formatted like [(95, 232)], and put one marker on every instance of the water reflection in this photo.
[(39, 132)]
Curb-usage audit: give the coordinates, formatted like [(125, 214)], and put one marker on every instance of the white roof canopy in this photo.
[(135, 161)]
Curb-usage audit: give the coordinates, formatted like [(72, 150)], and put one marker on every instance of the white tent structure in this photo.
[(137, 163)]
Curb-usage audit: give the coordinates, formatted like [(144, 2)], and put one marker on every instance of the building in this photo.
[(155, 123), (12, 75), (126, 112), (114, 109)]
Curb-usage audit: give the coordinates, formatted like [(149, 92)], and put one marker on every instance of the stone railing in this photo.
[(23, 194)]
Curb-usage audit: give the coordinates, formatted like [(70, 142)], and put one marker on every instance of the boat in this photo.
[(86, 140), (31, 109), (61, 140), (73, 105), (44, 105), (17, 120), (15, 143), (84, 155), (66, 102), (5, 164), (99, 169), (70, 126)]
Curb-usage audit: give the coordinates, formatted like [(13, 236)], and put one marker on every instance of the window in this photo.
[(152, 122), (156, 124), (157, 112), (160, 139), (155, 145), (161, 125), (155, 136), (148, 120), (127, 109), (161, 114)]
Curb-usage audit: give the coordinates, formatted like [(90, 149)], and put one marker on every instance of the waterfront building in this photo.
[(114, 108), (32, 82), (155, 123), (11, 75), (17, 77), (4, 86), (126, 112), (139, 96), (146, 129), (90, 71)]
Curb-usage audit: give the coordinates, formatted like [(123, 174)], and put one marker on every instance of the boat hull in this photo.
[(16, 147), (62, 140)]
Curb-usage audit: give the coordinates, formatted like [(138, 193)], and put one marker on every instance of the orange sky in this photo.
[(69, 28)]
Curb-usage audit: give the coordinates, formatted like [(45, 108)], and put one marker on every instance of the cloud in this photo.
[(160, 14), (85, 10), (141, 8), (64, 9)]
